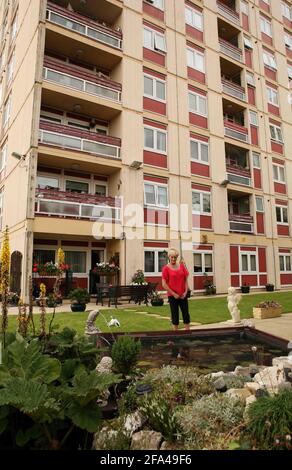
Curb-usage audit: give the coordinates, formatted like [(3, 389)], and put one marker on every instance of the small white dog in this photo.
[(113, 322)]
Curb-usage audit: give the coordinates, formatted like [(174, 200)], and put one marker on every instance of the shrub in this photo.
[(125, 353), (160, 416), (79, 296), (270, 421), (268, 304), (129, 400)]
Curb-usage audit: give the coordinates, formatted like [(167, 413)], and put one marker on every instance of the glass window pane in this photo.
[(162, 196), (275, 172), (147, 38), (159, 42), (198, 23), (190, 58), (253, 264), (244, 263), (204, 153), (160, 90), (47, 182), (198, 263), (76, 260), (76, 186), (285, 214), (148, 86), (162, 260), (259, 204), (208, 263), (149, 194), (148, 138), (199, 62), (282, 265), (100, 190), (256, 160), (44, 256), (281, 174), (206, 203), (194, 150), (196, 202), (279, 134), (149, 264), (189, 16), (193, 102), (202, 105), (288, 263), (278, 214), (161, 141), (273, 132)]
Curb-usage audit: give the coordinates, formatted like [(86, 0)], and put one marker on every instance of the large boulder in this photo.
[(146, 440)]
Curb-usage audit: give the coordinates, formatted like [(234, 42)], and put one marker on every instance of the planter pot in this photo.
[(270, 288), (269, 312), (210, 290), (78, 307), (157, 303), (51, 304), (245, 289)]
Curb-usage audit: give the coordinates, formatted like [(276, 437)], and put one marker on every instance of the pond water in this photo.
[(209, 353)]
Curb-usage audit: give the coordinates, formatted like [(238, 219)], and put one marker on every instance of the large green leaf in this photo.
[(86, 387), (85, 417), (24, 436)]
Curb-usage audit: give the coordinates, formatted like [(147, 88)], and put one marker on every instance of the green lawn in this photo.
[(209, 310)]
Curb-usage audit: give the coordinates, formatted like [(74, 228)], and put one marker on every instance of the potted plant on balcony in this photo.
[(79, 298), (245, 289), (270, 287), (156, 299), (268, 309)]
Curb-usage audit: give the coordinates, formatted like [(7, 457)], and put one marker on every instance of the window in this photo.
[(6, 111), (250, 79), (259, 204), (154, 40), (154, 260), (279, 173), (76, 260), (195, 59), (256, 160), (269, 60), (154, 88), (276, 133), (100, 190), (3, 156), (248, 262), (201, 203), (203, 262), (272, 95), (197, 103), (288, 39), (155, 139), (14, 28), (199, 151), (289, 68), (44, 256), (76, 187), (266, 26), (247, 42), (253, 118), (285, 263), (287, 11), (194, 18), (47, 182), (244, 7), (157, 3), (155, 195), (282, 215), (10, 68)]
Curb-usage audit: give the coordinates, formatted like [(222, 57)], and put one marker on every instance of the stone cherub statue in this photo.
[(90, 328), (233, 300), (104, 367)]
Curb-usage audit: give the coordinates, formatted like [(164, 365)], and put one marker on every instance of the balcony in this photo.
[(230, 50), (241, 223), (71, 138), (235, 131), (232, 89), (83, 25), (80, 79), (80, 206), (238, 175), (228, 13)]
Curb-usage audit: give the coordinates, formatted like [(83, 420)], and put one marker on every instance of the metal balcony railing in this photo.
[(228, 13), (238, 175), (80, 206), (82, 25), (232, 51), (232, 89), (241, 223), (75, 139), (235, 131)]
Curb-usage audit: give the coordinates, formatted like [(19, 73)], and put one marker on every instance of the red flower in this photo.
[(35, 270)]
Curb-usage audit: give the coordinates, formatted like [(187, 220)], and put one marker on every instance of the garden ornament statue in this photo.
[(113, 322), (90, 328), (233, 300), (104, 367)]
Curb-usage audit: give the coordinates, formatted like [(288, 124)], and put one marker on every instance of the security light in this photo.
[(136, 165), (224, 183), (17, 155)]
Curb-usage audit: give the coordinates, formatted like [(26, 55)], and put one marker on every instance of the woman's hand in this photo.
[(184, 295), (176, 296)]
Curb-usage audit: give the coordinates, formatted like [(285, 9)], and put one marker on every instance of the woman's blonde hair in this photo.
[(173, 250)]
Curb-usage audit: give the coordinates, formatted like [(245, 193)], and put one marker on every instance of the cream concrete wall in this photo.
[(221, 259)]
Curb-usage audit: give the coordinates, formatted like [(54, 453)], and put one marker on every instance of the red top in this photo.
[(175, 279)]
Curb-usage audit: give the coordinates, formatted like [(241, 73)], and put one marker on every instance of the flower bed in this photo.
[(269, 309)]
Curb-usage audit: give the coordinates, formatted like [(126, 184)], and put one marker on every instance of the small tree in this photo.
[(5, 271), (125, 353)]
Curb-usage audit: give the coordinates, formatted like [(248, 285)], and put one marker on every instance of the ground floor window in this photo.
[(248, 263), (44, 256), (285, 263), (154, 260), (76, 260), (203, 262)]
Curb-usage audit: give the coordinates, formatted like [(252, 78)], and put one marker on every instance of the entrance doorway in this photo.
[(97, 256)]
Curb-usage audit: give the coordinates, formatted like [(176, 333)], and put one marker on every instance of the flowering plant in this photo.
[(106, 268), (50, 268), (139, 278)]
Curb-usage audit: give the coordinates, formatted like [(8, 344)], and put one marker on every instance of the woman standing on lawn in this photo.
[(175, 281)]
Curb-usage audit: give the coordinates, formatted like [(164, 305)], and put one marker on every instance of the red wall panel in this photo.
[(267, 39), (199, 282), (286, 279), (260, 223), (153, 11), (197, 120), (153, 56), (234, 261), (200, 169), (248, 58), (263, 279), (235, 281), (245, 23), (271, 73), (195, 33), (154, 216), (249, 279), (155, 279), (257, 177), (155, 159), (276, 147), (154, 106), (280, 188), (262, 260), (202, 221), (196, 75), (273, 109), (254, 135), (283, 230), (251, 95)]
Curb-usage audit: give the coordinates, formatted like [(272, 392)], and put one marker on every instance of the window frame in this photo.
[(258, 166), (285, 256), (249, 254), (271, 59), (194, 12), (155, 80), (200, 143), (155, 149), (195, 53), (156, 186), (202, 193), (277, 135), (264, 22), (156, 272), (3, 153), (281, 222), (198, 96), (278, 176), (203, 253), (261, 211), (255, 114), (154, 33), (285, 7), (273, 92)]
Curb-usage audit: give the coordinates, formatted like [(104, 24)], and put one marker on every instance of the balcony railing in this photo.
[(238, 175), (68, 137), (232, 89), (85, 26), (241, 223), (60, 72), (228, 13), (232, 51), (80, 206), (235, 131)]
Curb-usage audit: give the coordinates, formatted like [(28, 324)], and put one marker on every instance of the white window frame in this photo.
[(269, 60), (203, 253), (14, 27), (198, 96), (156, 251), (200, 143), (155, 35), (77, 179), (257, 155), (289, 70), (156, 186), (10, 68), (244, 7), (288, 39), (154, 96), (281, 222), (253, 118), (285, 256), (286, 10), (155, 149), (247, 42), (6, 112), (201, 193), (249, 254), (195, 53), (266, 26), (279, 178), (260, 198), (250, 79), (79, 250), (3, 153), (53, 176), (157, 4), (272, 96), (194, 13), (276, 129)]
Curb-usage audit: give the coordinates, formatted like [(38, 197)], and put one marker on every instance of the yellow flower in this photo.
[(61, 257), (43, 290)]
